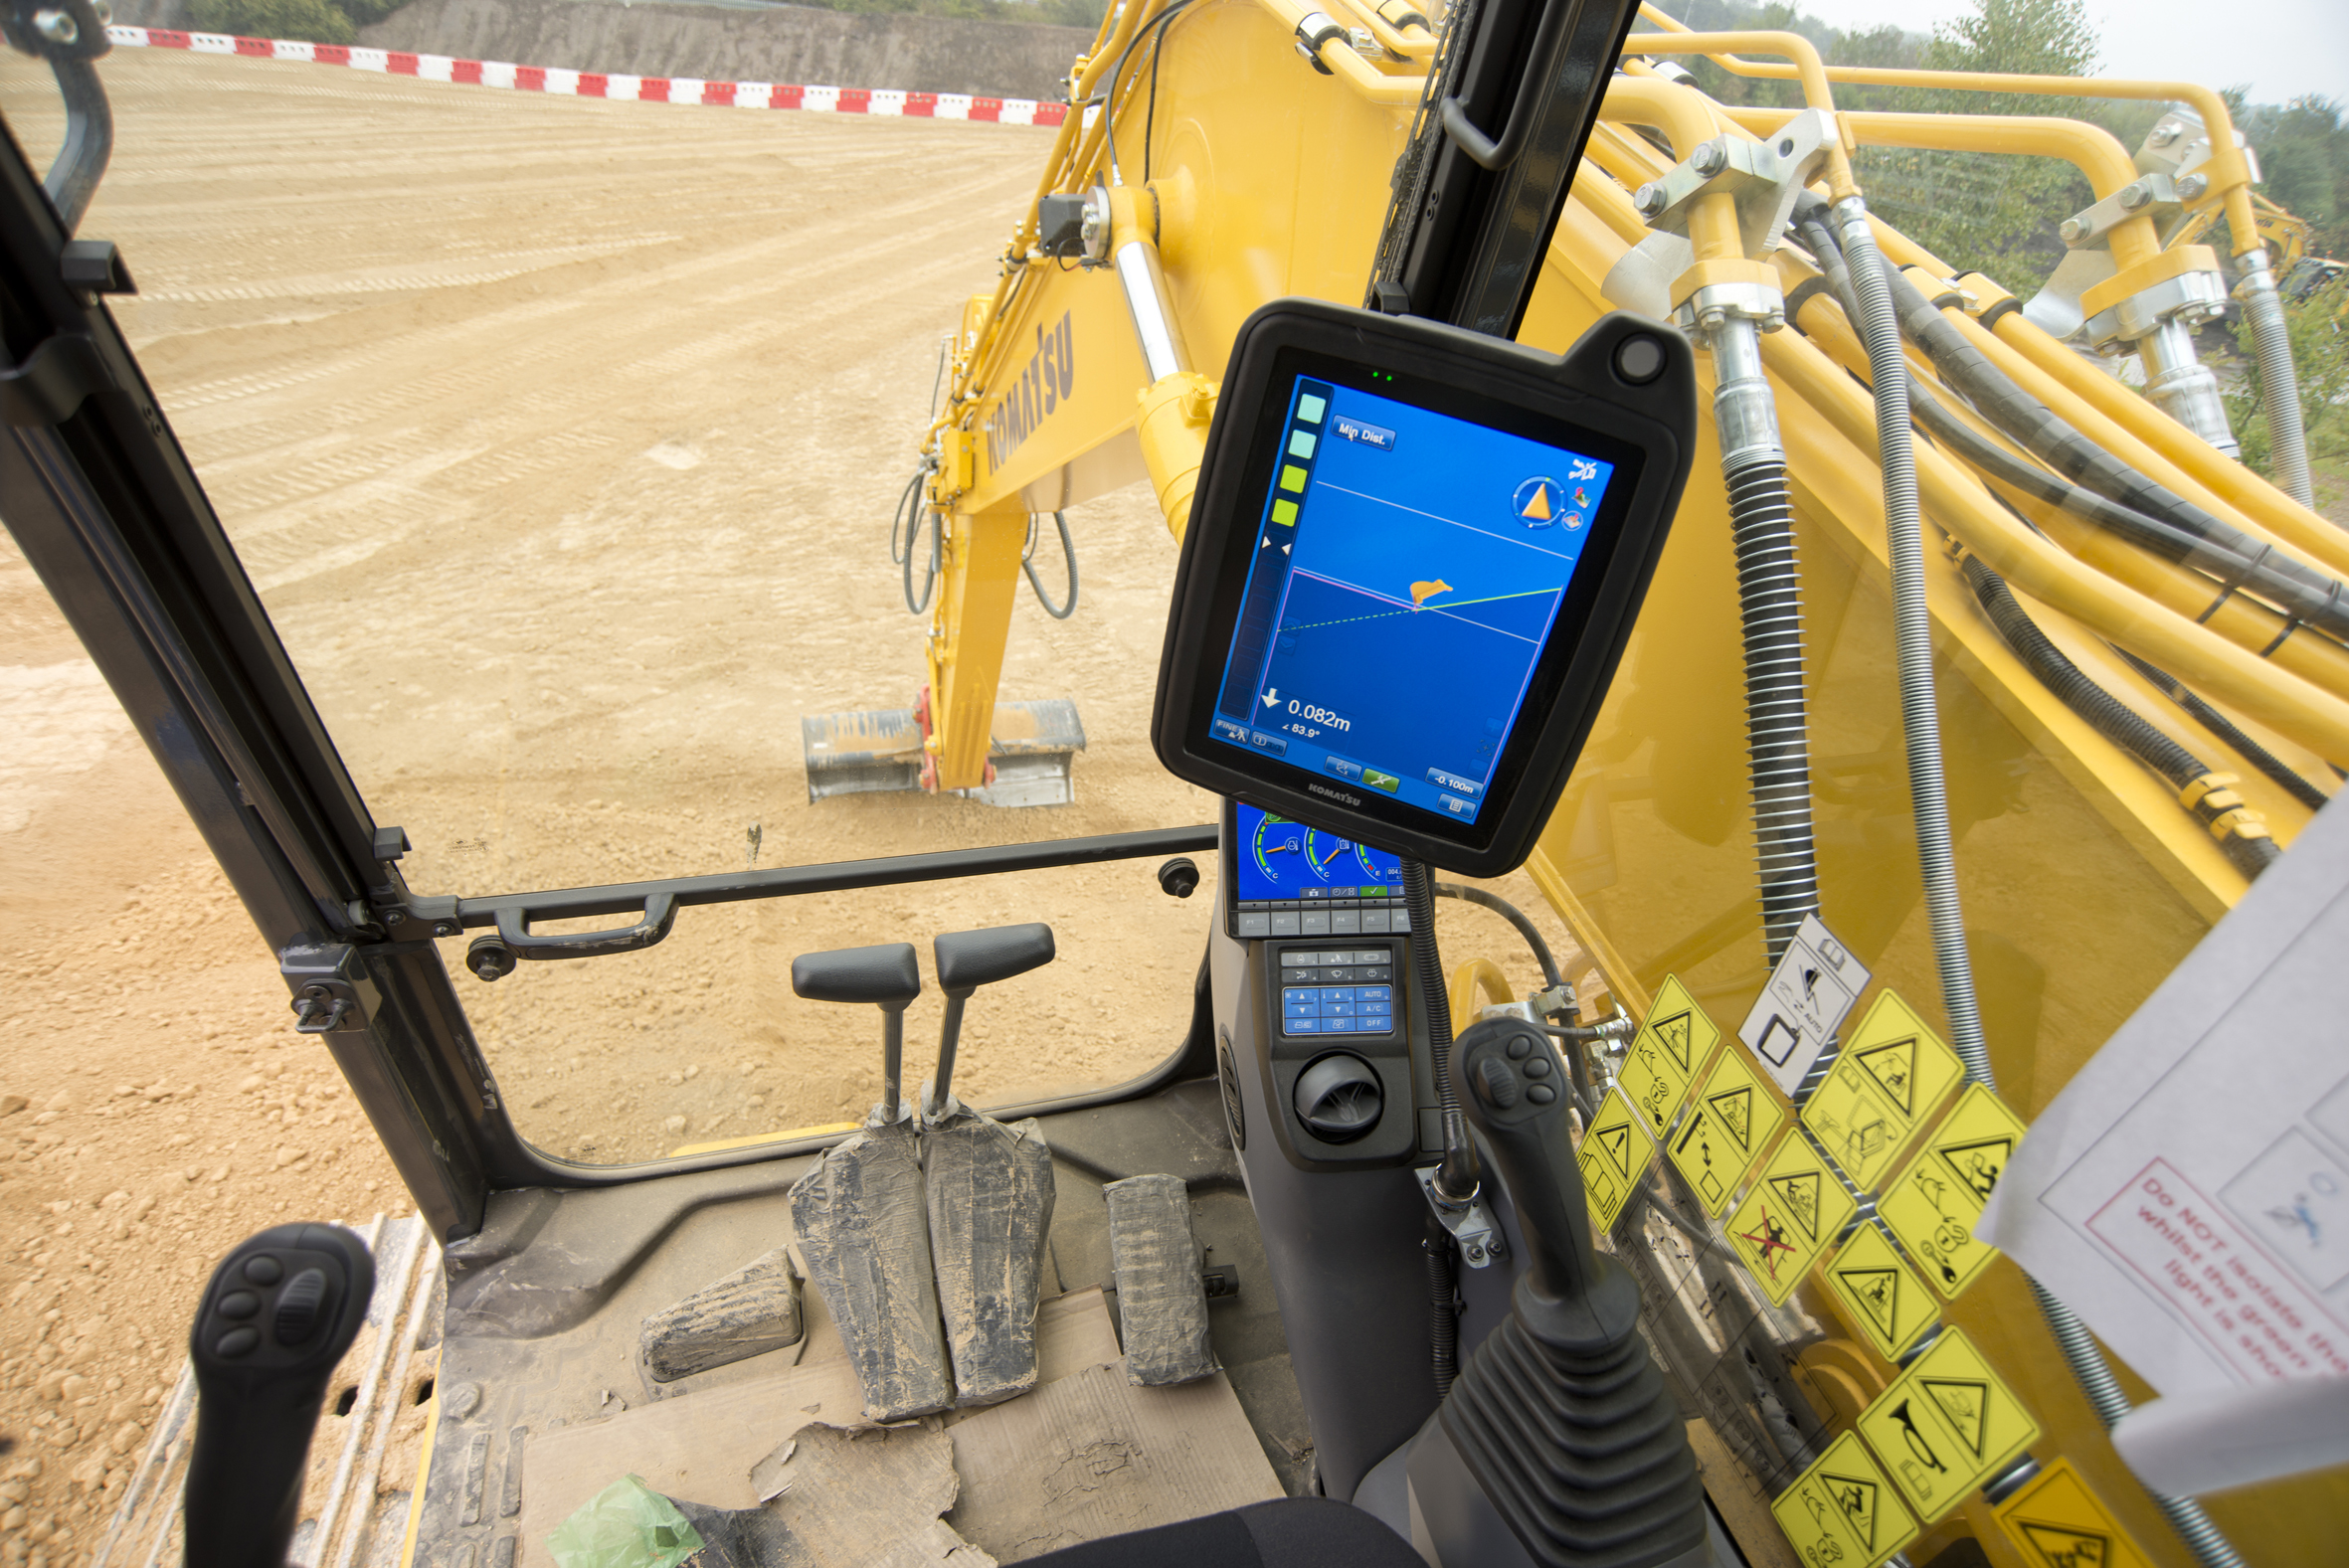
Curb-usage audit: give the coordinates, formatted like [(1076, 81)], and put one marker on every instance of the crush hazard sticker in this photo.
[(1940, 1195), (1665, 1055), (2059, 1524), (1615, 1151), (1788, 1216), (1945, 1426), (1891, 1076), (1882, 1294), (1842, 1512)]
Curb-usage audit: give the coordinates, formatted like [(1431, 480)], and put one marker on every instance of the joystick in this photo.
[(280, 1312), (1561, 1417)]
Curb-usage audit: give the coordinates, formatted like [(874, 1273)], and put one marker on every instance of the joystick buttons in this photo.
[(300, 1306)]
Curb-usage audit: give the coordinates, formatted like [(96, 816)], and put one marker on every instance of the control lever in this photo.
[(1561, 1416), (886, 976), (280, 1312), (967, 959)]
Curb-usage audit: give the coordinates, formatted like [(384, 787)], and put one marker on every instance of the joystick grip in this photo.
[(279, 1311), (1514, 1088)]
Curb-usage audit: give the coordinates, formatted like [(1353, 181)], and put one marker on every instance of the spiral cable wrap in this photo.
[(1777, 718)]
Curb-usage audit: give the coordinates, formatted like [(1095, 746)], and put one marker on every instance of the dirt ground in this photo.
[(560, 436)]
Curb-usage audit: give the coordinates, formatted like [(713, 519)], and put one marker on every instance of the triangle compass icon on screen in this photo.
[(1538, 507)]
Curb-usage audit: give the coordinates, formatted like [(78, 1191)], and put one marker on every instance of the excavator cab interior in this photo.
[(1891, 724)]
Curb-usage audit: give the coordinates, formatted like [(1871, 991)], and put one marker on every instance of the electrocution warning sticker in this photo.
[(1788, 1217), (1842, 1512), (1945, 1426), (1734, 1121), (1888, 1078), (1935, 1201), (2058, 1523), (1882, 1293), (1615, 1150), (1665, 1055)]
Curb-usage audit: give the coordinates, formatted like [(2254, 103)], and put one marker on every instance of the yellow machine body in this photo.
[(2085, 880)]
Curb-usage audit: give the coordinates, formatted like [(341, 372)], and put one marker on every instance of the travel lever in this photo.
[(967, 959), (1561, 1417), (278, 1314)]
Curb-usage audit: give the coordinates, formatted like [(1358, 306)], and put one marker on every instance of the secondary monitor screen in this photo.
[(1409, 571), (1285, 862)]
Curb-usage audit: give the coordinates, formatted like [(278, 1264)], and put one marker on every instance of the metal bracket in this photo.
[(1764, 177), (2191, 298), (2156, 196), (331, 990), (1471, 1223)]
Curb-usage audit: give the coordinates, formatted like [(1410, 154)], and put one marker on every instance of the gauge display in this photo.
[(1282, 860)]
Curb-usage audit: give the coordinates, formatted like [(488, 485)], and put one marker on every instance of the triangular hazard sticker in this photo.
[(1977, 1164), (2061, 1546), (1674, 1032), (1538, 507), (1801, 1193), (1856, 1497), (1736, 1109), (1616, 1143), (1965, 1401), (1878, 1291), (1894, 1067)]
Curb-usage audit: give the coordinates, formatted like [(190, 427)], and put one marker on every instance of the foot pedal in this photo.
[(864, 1229), (1162, 1298), (991, 1207), (751, 1311)]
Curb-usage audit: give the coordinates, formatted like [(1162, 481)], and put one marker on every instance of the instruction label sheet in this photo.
[(2188, 1193)]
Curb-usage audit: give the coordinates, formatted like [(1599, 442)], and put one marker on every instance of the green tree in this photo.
[(311, 21), (1985, 212)]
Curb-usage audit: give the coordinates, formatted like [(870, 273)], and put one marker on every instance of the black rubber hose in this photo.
[(2106, 713), (1068, 551), (2093, 484), (1457, 1178), (1443, 1322), (2275, 768), (1515, 917)]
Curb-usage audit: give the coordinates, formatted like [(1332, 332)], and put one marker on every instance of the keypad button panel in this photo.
[(1349, 991)]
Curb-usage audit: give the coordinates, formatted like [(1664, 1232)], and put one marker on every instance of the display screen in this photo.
[(1280, 860), (1408, 570)]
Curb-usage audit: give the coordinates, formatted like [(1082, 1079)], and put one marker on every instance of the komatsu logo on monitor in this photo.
[(1050, 376)]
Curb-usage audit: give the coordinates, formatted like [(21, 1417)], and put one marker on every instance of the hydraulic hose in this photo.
[(1457, 1178), (1870, 278), (2279, 385), (2237, 827), (1769, 609), (2275, 768), (2237, 560), (1515, 916), (1068, 552), (1869, 299), (1443, 1319)]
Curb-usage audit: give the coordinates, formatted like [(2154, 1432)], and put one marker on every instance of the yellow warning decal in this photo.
[(1842, 1511), (1888, 1078), (1945, 1426), (1666, 1053), (1615, 1151), (1882, 1293), (1729, 1125), (2058, 1523), (1789, 1215), (1933, 1203)]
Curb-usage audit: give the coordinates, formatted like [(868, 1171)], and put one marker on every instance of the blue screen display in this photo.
[(1409, 568), (1280, 860)]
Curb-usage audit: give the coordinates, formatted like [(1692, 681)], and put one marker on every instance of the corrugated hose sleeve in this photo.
[(2286, 777)]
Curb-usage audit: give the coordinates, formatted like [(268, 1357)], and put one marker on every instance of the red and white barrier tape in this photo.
[(600, 84)]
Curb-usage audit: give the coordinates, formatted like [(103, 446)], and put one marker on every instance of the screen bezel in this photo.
[(1483, 379)]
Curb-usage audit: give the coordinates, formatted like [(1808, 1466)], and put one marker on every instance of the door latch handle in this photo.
[(493, 957)]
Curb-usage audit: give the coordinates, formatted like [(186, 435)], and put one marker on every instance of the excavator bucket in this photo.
[(1032, 748)]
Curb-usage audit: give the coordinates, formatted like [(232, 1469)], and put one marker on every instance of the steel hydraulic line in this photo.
[(2234, 824), (1867, 277)]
